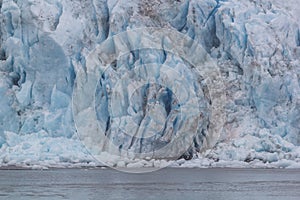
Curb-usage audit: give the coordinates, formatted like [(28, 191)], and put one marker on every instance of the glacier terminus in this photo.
[(214, 82)]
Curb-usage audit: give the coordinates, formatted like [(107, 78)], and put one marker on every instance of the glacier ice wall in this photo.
[(255, 43)]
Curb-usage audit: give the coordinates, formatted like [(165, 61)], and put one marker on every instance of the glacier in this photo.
[(255, 44)]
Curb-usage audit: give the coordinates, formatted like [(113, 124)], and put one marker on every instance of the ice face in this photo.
[(147, 108), (256, 45)]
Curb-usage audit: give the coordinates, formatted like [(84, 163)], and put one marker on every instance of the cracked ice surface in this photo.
[(255, 43)]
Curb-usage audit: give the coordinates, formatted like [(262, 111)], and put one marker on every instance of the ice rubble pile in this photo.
[(255, 43)]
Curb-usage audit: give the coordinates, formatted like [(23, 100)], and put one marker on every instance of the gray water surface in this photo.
[(168, 183)]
